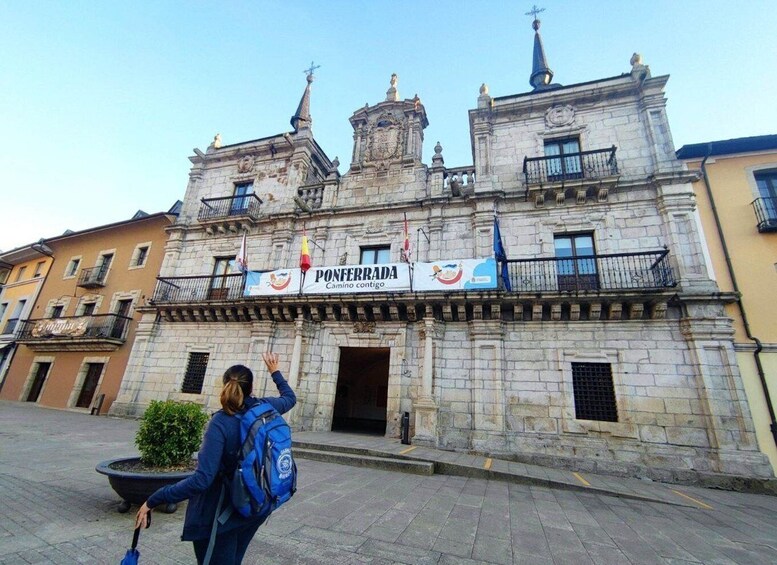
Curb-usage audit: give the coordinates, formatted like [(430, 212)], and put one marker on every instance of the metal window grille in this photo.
[(195, 373), (594, 392)]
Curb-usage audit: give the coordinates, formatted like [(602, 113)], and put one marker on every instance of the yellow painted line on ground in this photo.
[(487, 464), (581, 479), (699, 502), (408, 450)]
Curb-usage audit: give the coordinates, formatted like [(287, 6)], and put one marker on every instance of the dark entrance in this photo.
[(90, 385), (362, 390), (37, 383)]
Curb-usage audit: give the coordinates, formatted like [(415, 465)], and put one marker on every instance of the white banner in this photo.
[(273, 283), (390, 277), (455, 274)]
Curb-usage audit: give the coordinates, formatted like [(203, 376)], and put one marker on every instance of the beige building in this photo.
[(73, 342), (737, 195), (24, 270), (604, 345)]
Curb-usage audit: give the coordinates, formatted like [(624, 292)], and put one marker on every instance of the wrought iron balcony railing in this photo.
[(766, 213), (176, 290), (93, 277), (595, 164), (75, 328), (10, 326), (619, 271), (229, 207)]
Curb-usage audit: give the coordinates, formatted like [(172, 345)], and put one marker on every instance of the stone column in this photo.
[(487, 384), (130, 400), (426, 406), (294, 370), (435, 239), (482, 227)]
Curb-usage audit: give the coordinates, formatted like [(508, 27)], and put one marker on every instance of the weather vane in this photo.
[(312, 68), (534, 11)]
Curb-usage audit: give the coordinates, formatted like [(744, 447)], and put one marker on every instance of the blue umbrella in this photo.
[(132, 555)]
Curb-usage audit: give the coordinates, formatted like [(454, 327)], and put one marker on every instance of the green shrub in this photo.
[(170, 432)]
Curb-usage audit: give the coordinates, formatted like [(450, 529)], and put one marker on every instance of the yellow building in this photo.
[(73, 341), (737, 198), (23, 271)]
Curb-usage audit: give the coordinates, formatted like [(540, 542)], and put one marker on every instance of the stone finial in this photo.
[(484, 100), (392, 95), (639, 71), (336, 163), (437, 160), (216, 143)]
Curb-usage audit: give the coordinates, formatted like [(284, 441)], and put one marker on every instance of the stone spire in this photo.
[(541, 75), (392, 95), (301, 118)]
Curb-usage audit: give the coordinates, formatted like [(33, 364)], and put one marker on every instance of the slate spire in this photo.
[(541, 75), (301, 118)]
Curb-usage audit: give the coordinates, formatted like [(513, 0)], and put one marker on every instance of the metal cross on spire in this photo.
[(312, 68), (534, 11)]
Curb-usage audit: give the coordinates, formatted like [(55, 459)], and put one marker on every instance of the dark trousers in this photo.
[(230, 547)]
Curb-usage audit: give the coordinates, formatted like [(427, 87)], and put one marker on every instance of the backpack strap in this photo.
[(212, 539)]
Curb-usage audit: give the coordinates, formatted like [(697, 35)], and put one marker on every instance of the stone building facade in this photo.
[(607, 347)]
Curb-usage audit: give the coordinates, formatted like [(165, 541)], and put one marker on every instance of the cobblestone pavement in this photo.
[(54, 508)]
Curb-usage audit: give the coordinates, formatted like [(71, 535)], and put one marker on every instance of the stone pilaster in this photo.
[(487, 383), (425, 407), (128, 401), (721, 393), (294, 369), (262, 335)]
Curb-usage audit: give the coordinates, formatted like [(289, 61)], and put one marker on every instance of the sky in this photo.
[(102, 103)]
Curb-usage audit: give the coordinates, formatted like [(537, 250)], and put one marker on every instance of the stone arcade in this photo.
[(611, 351)]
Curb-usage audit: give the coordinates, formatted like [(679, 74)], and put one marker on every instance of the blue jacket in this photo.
[(217, 457)]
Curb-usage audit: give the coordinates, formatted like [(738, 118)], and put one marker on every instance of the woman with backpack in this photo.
[(218, 458)]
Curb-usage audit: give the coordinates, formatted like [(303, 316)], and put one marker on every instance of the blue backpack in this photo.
[(266, 475)]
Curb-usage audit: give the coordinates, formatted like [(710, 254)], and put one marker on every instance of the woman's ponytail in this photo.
[(232, 397), (238, 383)]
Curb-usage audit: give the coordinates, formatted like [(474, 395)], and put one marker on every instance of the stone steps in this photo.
[(382, 462)]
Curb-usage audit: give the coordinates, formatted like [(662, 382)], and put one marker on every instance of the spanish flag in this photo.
[(304, 258), (405, 252)]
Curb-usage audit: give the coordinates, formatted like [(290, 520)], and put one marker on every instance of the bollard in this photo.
[(406, 428)]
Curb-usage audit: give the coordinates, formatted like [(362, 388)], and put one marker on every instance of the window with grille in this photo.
[(195, 373), (594, 392)]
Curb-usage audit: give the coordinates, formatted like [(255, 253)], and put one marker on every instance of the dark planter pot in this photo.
[(135, 487)]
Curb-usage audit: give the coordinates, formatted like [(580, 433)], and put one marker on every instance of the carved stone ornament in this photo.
[(385, 141), (558, 116), (362, 327), (246, 164)]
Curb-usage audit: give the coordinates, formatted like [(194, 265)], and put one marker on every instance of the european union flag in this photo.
[(501, 255)]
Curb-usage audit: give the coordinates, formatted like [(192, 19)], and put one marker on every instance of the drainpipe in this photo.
[(758, 345)]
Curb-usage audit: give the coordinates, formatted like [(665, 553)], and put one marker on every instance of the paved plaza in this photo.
[(54, 508)]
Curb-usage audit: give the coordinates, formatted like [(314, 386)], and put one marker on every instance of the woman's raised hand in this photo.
[(271, 360)]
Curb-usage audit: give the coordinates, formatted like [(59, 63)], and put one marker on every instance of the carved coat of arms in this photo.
[(385, 141)]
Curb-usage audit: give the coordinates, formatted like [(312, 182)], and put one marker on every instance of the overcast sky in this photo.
[(102, 102)]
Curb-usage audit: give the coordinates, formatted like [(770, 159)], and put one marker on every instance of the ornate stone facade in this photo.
[(496, 371)]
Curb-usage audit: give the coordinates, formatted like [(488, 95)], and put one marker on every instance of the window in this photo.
[(3, 308), (767, 204), (20, 273), (39, 269), (88, 308), (105, 264), (56, 312), (241, 199), (594, 392), (576, 274), (72, 267), (195, 373), (219, 284), (564, 167), (10, 326), (375, 255), (122, 318), (141, 257)]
